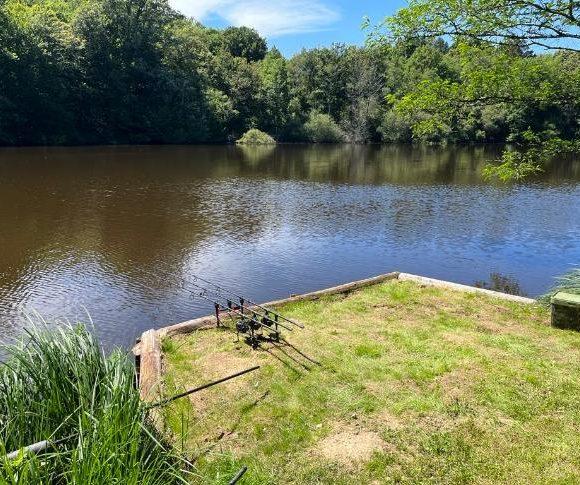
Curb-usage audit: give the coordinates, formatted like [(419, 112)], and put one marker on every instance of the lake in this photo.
[(114, 231)]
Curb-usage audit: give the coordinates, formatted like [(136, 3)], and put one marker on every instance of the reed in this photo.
[(569, 282), (59, 385)]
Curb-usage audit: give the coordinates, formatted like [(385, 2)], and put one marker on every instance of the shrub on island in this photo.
[(256, 137)]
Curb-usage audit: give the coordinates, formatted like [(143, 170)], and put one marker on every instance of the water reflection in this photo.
[(503, 283), (115, 229)]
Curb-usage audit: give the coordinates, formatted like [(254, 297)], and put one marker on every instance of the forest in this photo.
[(138, 72)]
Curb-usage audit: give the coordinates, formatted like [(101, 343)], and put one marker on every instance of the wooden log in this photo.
[(210, 321), (188, 326), (335, 290), (150, 367), (458, 287)]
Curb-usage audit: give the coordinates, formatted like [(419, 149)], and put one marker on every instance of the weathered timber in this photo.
[(150, 366), (458, 287), (335, 290), (211, 321), (188, 326)]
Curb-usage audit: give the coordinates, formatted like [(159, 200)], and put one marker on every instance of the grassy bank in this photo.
[(414, 385), (60, 387)]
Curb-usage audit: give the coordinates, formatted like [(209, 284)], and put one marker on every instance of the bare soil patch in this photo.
[(352, 446)]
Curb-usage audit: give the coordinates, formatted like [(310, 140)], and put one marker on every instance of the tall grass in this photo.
[(569, 282), (59, 385)]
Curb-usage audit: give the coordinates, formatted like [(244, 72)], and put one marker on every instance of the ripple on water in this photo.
[(112, 232)]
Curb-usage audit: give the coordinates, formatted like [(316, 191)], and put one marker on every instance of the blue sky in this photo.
[(291, 25)]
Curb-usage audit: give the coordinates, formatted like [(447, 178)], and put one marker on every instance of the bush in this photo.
[(321, 128), (256, 137), (395, 128)]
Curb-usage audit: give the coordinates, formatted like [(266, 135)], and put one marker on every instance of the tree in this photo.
[(550, 24), (321, 128), (244, 42), (123, 68), (136, 71), (273, 74), (39, 74), (221, 114), (242, 85), (184, 117), (319, 78), (490, 76), (363, 94)]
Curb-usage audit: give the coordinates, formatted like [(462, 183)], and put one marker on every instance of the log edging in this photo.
[(149, 378), (459, 287), (210, 321), (148, 349)]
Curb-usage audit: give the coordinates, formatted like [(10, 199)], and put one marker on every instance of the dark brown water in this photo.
[(112, 231)]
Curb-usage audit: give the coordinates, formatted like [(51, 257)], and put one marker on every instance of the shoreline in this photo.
[(147, 349)]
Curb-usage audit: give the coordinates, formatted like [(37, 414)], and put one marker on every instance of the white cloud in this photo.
[(272, 18), (199, 9)]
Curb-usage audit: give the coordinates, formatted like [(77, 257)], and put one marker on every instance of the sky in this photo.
[(291, 25)]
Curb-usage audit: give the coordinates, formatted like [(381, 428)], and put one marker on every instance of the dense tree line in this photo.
[(136, 71), (539, 95)]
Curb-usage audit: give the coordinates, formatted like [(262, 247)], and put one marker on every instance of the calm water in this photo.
[(112, 231)]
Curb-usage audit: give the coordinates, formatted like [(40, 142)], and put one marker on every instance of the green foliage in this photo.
[(551, 24), (395, 128), (319, 79), (491, 70), (256, 137), (492, 94), (273, 73), (120, 71), (60, 386), (569, 282), (321, 128), (364, 89), (513, 166), (530, 154), (244, 42)]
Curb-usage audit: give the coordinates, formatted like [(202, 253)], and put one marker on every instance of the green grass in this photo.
[(60, 385), (458, 388)]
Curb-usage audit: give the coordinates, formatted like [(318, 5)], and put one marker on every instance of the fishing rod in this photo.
[(252, 303), (229, 307), (247, 324), (223, 292), (169, 400), (250, 318), (218, 292), (238, 476)]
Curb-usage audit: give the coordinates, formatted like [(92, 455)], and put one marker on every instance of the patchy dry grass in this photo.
[(415, 385)]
